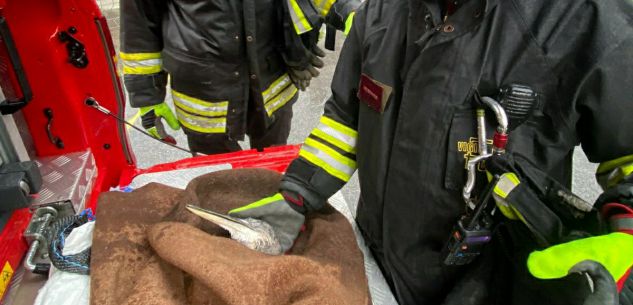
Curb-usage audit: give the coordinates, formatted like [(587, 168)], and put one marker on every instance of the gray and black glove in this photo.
[(283, 216), (300, 76), (605, 290)]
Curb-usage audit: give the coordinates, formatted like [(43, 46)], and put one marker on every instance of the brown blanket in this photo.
[(147, 249)]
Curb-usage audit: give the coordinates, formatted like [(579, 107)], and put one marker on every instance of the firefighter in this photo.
[(233, 67), (402, 114)]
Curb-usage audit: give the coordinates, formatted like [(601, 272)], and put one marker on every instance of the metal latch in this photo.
[(36, 236)]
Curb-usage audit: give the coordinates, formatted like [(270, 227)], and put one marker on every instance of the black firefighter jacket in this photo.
[(220, 55), (402, 113)]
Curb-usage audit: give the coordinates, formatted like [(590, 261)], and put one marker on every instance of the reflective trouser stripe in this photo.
[(201, 124), (281, 99), (328, 159), (198, 106), (336, 134), (141, 63), (299, 19), (323, 6)]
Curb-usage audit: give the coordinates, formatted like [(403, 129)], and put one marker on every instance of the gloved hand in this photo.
[(151, 121), (607, 259), (301, 77), (275, 210), (527, 194)]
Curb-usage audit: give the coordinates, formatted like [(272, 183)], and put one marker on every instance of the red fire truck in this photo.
[(63, 139)]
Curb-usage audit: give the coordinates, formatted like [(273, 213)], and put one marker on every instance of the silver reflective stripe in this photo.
[(201, 124), (621, 224), (276, 87), (297, 20), (505, 185), (143, 63), (329, 160), (281, 99), (351, 141), (213, 109)]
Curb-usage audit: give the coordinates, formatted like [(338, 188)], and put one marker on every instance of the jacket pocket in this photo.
[(463, 145)]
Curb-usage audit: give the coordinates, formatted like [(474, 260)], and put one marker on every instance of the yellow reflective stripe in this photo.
[(614, 177), (281, 99), (323, 6), (627, 169), (611, 165), (218, 112), (334, 141), (312, 158), (338, 126), (348, 23), (141, 63), (331, 152), (198, 106), (141, 70), (511, 212), (278, 85), (139, 56), (299, 20), (201, 124), (199, 101), (344, 137), (610, 173), (337, 165), (505, 185), (259, 203)]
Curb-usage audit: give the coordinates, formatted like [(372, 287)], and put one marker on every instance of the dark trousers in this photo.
[(260, 138)]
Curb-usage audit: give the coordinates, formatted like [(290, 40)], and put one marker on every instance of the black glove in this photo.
[(301, 77), (606, 259), (605, 291)]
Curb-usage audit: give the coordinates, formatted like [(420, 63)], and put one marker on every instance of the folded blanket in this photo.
[(148, 249)]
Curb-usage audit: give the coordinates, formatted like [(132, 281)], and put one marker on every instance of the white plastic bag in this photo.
[(65, 288)]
